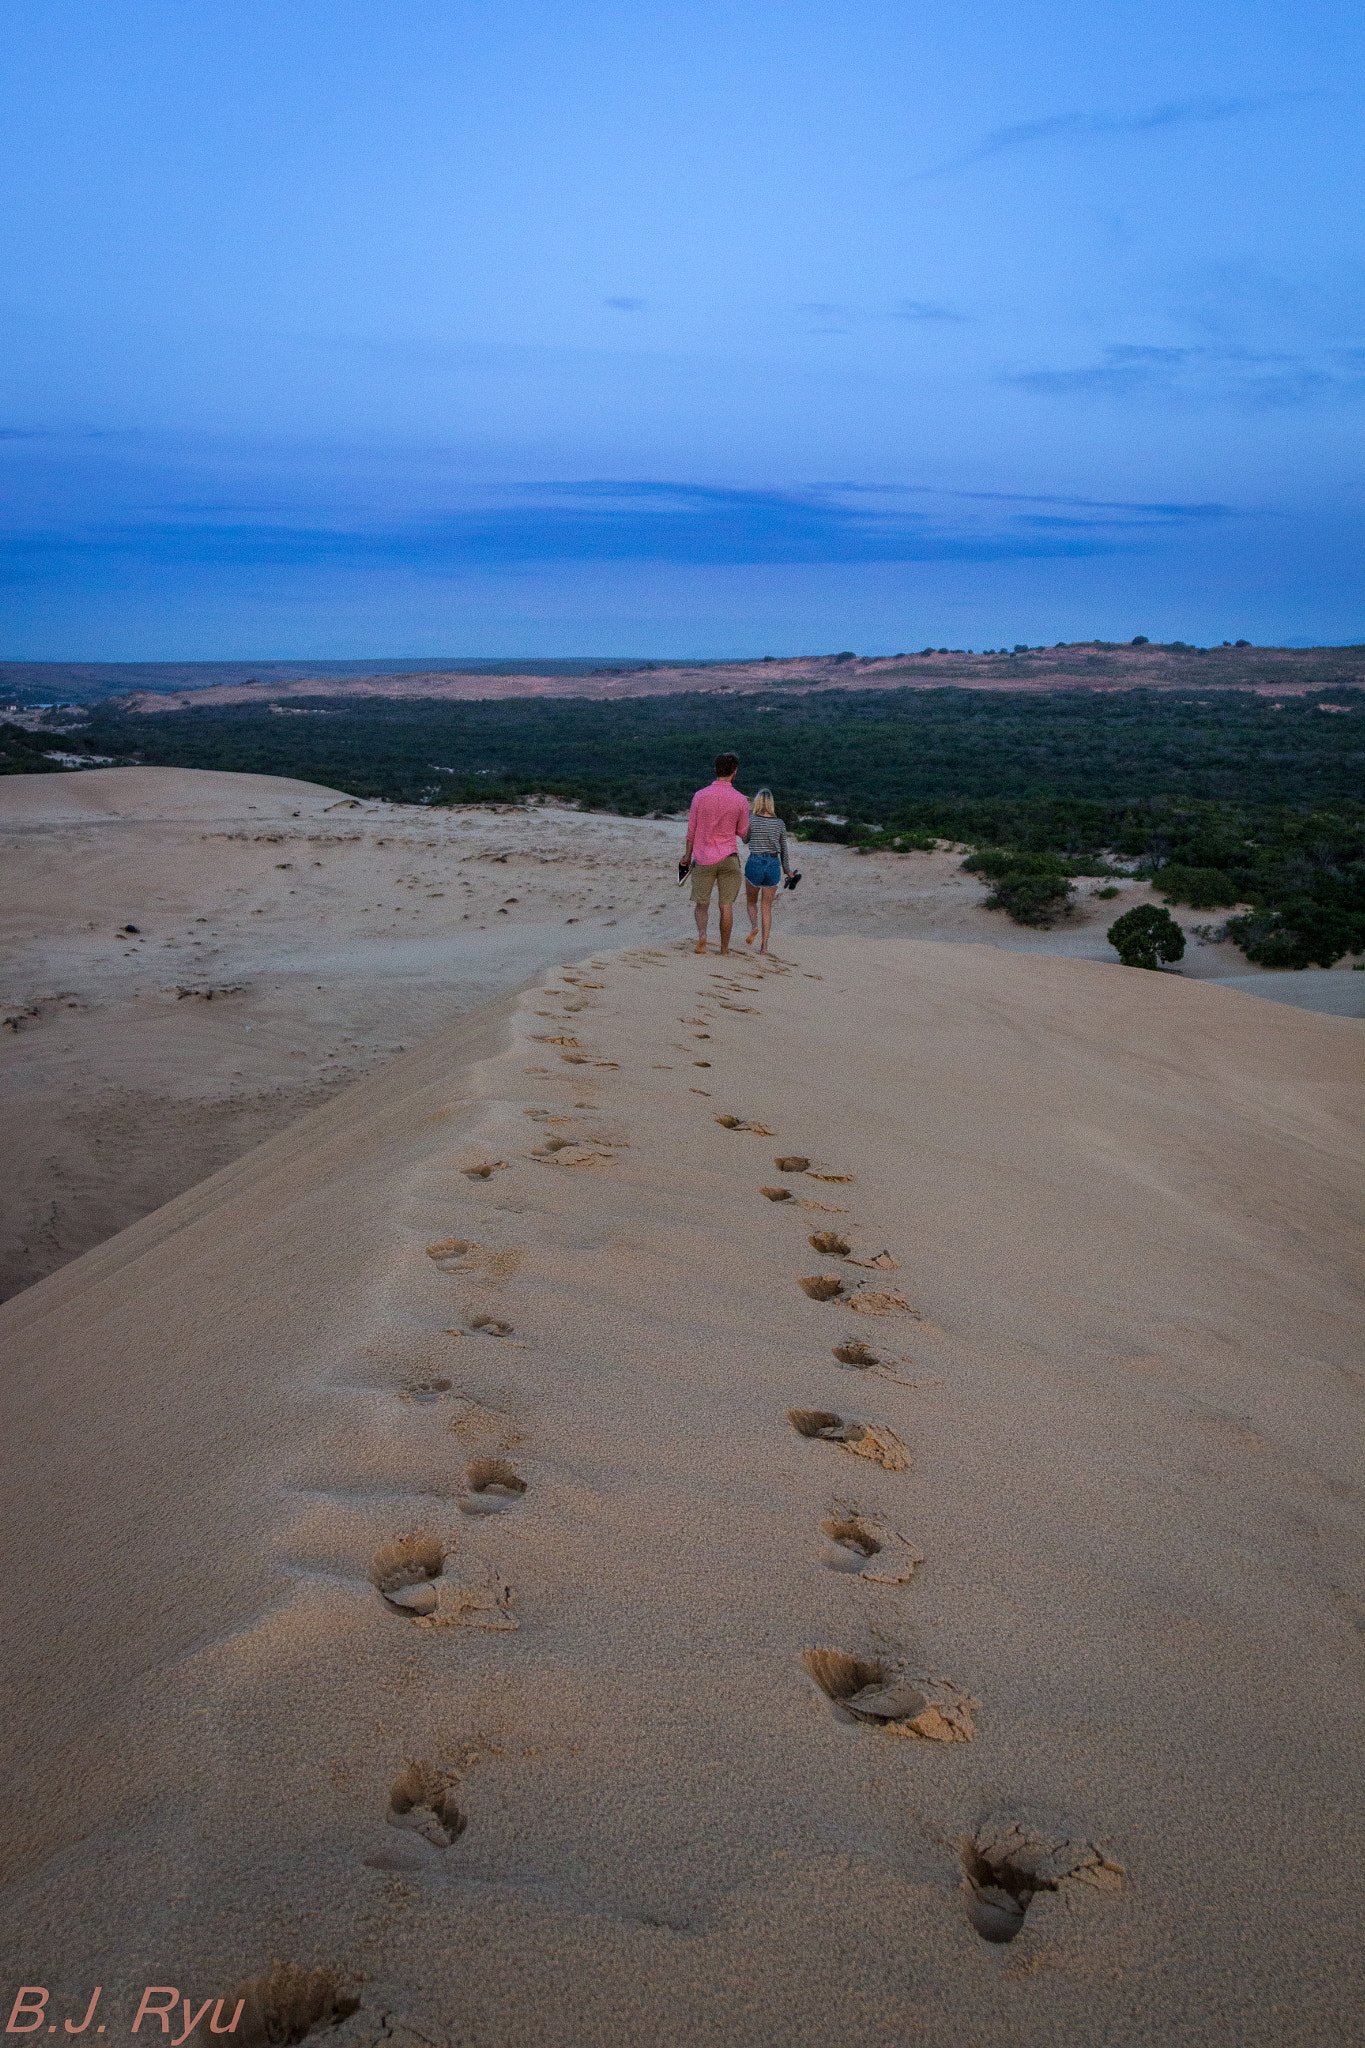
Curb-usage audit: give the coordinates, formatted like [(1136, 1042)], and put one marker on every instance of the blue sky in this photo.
[(436, 328)]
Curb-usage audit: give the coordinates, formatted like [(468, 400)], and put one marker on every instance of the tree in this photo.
[(1146, 936)]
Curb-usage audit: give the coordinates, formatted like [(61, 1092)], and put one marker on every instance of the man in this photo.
[(717, 815)]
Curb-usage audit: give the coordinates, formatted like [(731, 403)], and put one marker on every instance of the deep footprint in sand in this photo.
[(860, 1439), (829, 1242), (791, 1163), (1004, 1869), (288, 2004), (777, 1194), (821, 1286), (403, 1572), (423, 1802), (494, 1484), (882, 1695), (870, 1547), (485, 1169)]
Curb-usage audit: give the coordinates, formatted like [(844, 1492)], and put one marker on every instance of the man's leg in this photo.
[(727, 918), (699, 912)]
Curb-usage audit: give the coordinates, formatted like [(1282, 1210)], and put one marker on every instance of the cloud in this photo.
[(53, 434), (1081, 127), (1257, 381), (919, 309), (625, 305), (640, 521)]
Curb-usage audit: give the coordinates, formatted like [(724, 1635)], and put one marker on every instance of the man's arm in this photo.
[(691, 831)]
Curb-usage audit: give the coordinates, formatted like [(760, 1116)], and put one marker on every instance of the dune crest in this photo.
[(267, 1442)]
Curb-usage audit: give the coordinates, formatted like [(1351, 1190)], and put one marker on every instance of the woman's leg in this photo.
[(768, 895), (751, 897)]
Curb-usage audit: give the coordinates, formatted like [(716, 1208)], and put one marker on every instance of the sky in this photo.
[(444, 328)]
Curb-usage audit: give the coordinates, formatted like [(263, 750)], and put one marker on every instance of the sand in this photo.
[(1117, 1325), (291, 941), (1084, 665)]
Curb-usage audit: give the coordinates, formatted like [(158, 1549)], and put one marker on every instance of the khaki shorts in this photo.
[(724, 874)]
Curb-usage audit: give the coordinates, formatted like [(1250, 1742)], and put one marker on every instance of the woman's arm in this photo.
[(782, 848)]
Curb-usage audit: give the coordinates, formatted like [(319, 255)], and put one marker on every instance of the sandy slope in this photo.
[(1124, 1209), (290, 940)]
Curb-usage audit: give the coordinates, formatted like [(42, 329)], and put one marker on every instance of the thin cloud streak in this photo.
[(1073, 127), (1257, 381), (644, 522)]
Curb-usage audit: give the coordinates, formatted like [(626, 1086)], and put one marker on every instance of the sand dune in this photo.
[(290, 941), (1108, 1234)]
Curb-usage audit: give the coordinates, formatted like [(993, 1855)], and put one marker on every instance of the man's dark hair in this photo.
[(727, 764)]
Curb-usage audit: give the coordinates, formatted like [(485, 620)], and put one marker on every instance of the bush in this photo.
[(1201, 888), (1003, 863), (1302, 935), (1032, 899), (1146, 936)]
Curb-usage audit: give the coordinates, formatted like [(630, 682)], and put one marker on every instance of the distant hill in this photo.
[(1090, 664)]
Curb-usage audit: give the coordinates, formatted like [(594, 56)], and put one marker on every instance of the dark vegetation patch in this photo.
[(1259, 800)]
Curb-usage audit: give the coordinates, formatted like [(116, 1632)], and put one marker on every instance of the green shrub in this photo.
[(1032, 899), (1107, 894), (1201, 888), (1302, 935), (1004, 863), (1145, 936)]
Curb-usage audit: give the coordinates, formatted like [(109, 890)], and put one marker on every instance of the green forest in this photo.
[(1230, 798)]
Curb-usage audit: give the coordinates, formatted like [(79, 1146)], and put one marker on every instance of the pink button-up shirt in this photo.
[(717, 815)]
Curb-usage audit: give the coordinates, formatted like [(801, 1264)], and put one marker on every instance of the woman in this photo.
[(767, 863)]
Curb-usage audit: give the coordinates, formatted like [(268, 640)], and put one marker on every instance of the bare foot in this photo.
[(752, 936), (700, 946)]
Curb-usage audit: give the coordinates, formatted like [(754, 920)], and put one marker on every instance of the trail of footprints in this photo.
[(1004, 1867), (418, 1580)]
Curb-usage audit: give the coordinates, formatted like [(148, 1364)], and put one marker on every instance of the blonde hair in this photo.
[(763, 805)]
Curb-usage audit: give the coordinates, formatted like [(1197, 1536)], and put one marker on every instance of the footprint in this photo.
[(861, 1439), (423, 1801), (870, 1301), (813, 1175), (481, 1326), (792, 1163), (493, 1484), (1003, 1870), (452, 1252), (880, 1695), (739, 1123), (829, 1241), (403, 1571), (424, 1392), (288, 2005), (882, 1261), (871, 1548), (777, 1194), (822, 1286), (855, 1352), (486, 1170)]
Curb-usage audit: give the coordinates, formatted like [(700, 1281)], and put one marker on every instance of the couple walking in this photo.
[(719, 815)]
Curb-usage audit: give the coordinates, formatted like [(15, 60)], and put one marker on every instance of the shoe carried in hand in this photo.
[(792, 879)]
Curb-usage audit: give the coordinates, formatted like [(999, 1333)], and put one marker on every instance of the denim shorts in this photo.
[(763, 870)]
